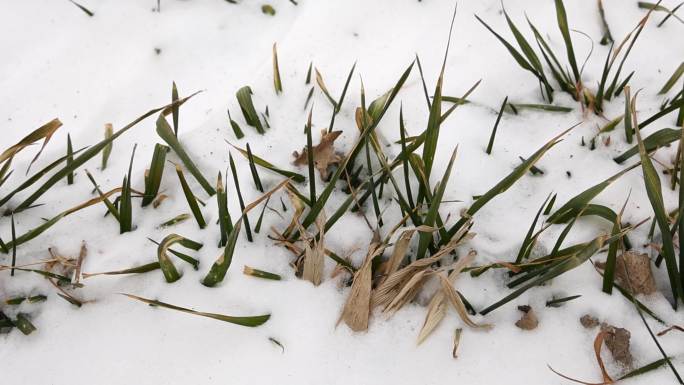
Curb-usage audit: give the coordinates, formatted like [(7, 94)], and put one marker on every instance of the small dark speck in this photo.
[(157, 51), (568, 174), (356, 34)]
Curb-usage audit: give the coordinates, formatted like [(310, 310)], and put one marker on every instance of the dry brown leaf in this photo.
[(314, 256), (617, 341), (324, 154), (356, 310), (529, 320), (81, 256), (437, 307), (44, 132), (638, 269), (398, 253), (671, 328)]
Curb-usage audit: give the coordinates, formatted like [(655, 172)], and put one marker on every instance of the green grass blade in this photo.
[(70, 159), (530, 238), (672, 80), (175, 108), (652, 142), (577, 203), (247, 270), (236, 180), (562, 19), (310, 160), (490, 145), (244, 98), (190, 198), (426, 238), (251, 321), (299, 178), (253, 170), (225, 222), (164, 131), (506, 182), (655, 196), (154, 177)]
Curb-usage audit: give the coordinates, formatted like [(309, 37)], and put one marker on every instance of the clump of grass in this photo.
[(89, 153)]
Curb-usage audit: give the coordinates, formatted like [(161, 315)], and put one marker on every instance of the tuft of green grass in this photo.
[(154, 176)]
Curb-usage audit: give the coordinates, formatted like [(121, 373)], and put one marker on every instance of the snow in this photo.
[(89, 71)]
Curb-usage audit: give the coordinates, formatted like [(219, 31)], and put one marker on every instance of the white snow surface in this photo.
[(87, 71)]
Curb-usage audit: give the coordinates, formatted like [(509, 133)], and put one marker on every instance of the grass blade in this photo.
[(244, 98), (164, 132), (505, 183), (269, 166), (490, 145), (672, 80), (247, 270), (251, 321), (277, 83), (107, 150), (225, 222), (69, 160), (239, 194), (190, 198), (154, 177), (167, 267), (562, 19)]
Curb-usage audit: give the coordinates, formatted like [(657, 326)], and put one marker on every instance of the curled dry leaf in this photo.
[(437, 307), (458, 305), (324, 154), (529, 320)]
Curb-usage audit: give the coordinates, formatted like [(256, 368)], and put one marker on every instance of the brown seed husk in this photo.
[(589, 321), (529, 320), (324, 154), (617, 341)]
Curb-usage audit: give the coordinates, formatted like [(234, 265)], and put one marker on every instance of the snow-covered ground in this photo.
[(88, 71)]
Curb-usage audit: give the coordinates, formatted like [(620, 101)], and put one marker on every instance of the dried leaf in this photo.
[(324, 154)]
